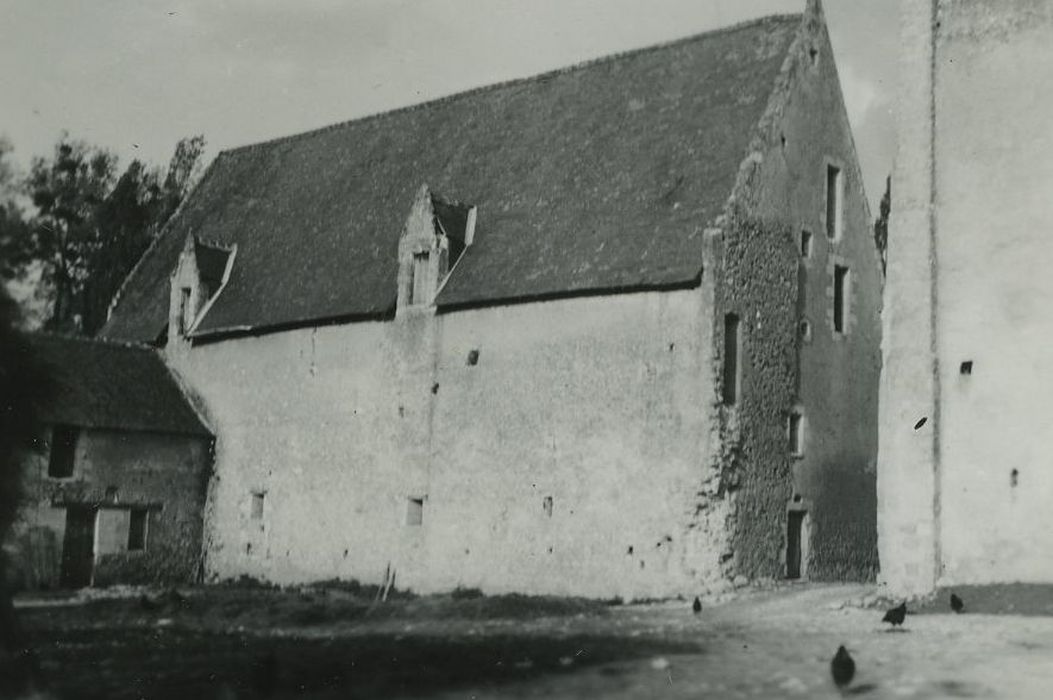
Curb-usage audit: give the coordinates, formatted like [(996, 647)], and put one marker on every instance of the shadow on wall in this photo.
[(34, 559), (844, 526)]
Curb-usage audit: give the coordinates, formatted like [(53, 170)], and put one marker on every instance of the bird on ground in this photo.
[(146, 603), (843, 667), (174, 597), (896, 615), (957, 604), (697, 605)]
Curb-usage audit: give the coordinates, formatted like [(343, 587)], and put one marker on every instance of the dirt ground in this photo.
[(235, 644)]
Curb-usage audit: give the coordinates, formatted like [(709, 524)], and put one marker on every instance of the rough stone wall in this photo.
[(968, 283), (831, 377), (601, 404), (167, 472), (756, 280)]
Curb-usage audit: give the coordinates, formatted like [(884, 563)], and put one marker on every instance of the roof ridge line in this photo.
[(537, 77)]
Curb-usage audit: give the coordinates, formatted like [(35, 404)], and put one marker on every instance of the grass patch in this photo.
[(259, 606)]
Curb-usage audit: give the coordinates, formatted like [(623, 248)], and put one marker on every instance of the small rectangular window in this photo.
[(833, 202), (415, 512), (795, 428), (546, 505), (841, 290), (258, 498), (137, 530), (63, 451), (732, 345), (806, 244)]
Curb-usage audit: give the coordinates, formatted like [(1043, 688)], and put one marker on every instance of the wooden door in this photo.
[(78, 547)]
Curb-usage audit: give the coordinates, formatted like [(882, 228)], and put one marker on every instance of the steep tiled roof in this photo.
[(105, 384), (595, 178)]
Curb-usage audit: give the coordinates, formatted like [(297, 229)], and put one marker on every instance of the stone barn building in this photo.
[(611, 330), (116, 495), (965, 497)]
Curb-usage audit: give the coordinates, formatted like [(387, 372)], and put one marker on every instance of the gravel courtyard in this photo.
[(229, 644)]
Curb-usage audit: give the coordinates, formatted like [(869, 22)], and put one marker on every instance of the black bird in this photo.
[(896, 615), (842, 668), (174, 597), (697, 605), (957, 604), (147, 604)]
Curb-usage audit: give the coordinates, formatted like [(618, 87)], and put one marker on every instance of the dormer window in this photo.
[(419, 292), (199, 277), (434, 239), (185, 318)]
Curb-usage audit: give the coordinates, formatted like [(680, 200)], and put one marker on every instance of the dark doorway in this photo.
[(78, 547), (794, 534)]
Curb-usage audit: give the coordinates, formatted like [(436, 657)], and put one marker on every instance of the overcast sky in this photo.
[(137, 75)]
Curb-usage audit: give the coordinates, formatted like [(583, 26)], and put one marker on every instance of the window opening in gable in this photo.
[(834, 190), (840, 298), (63, 451)]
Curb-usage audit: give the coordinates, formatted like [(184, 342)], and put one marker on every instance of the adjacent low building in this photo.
[(117, 491)]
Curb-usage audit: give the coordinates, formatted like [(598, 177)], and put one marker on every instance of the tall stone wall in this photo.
[(831, 377), (964, 496), (556, 447), (994, 176)]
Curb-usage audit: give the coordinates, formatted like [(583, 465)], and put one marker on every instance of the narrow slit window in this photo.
[(806, 244), (415, 512), (546, 505), (795, 539), (834, 189), (840, 299), (732, 351), (63, 451), (795, 428), (137, 524)]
